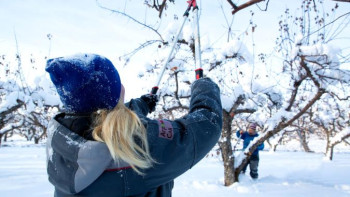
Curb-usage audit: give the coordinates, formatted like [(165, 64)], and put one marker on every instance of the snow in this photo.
[(277, 117), (318, 49), (306, 174), (10, 100), (282, 173), (236, 47), (79, 58), (10, 126), (340, 135), (171, 31)]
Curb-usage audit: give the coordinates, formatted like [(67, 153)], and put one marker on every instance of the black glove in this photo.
[(151, 100)]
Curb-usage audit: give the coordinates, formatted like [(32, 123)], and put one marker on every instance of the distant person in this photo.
[(99, 146), (253, 161)]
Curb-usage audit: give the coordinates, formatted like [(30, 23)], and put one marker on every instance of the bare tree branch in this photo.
[(234, 6), (348, 1), (339, 17), (240, 111), (132, 18), (11, 109), (295, 92), (161, 8), (336, 95), (308, 71), (317, 96), (245, 5), (142, 46), (346, 142)]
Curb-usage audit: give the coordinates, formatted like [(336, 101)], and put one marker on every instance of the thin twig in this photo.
[(245, 5), (132, 18)]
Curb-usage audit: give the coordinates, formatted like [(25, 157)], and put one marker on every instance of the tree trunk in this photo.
[(330, 146), (226, 149), (274, 148), (236, 175), (346, 142), (5, 137), (239, 168), (278, 142), (1, 134), (331, 153), (328, 142), (302, 136)]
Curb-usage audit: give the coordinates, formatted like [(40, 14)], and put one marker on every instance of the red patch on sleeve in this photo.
[(165, 129)]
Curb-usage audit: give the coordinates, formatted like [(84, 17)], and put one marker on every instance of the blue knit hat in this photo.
[(85, 82), (253, 126)]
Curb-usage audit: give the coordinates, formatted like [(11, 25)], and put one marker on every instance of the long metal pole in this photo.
[(197, 45), (170, 54), (191, 3), (155, 88), (197, 40)]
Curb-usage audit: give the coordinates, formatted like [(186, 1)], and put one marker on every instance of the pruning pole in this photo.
[(239, 139), (198, 60), (234, 147), (155, 88)]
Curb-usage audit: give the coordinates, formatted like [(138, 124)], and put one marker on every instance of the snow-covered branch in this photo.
[(344, 134)]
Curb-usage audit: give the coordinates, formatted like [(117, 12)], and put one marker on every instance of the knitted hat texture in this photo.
[(85, 82), (253, 126)]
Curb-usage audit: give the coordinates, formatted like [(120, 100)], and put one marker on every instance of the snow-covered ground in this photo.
[(282, 173)]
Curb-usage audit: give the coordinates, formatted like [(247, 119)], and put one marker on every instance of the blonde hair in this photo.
[(125, 136)]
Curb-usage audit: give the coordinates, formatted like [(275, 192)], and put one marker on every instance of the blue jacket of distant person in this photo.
[(247, 138)]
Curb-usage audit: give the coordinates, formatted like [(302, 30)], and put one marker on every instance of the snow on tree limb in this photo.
[(339, 137), (10, 127)]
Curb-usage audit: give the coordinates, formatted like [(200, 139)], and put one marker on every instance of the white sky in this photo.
[(76, 26), (80, 26)]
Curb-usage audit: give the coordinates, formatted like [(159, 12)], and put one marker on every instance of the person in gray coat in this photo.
[(99, 146)]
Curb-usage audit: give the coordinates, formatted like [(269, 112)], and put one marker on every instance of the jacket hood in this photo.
[(73, 162)]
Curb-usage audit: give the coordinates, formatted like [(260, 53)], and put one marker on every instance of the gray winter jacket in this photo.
[(80, 166)]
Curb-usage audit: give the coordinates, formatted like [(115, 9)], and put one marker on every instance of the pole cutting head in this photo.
[(192, 3)]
